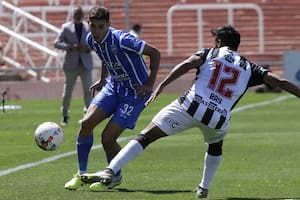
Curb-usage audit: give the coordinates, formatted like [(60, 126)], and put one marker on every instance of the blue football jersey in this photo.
[(121, 54)]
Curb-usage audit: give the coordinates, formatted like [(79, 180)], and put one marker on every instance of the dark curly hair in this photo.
[(228, 35)]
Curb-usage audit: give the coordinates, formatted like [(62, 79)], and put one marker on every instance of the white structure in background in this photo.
[(292, 66)]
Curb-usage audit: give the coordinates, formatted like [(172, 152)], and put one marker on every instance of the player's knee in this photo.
[(85, 124), (143, 140), (86, 128), (215, 149)]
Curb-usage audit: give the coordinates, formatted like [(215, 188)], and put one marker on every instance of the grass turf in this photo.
[(260, 157)]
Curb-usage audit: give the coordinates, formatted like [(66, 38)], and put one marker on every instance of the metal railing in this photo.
[(18, 39), (200, 7)]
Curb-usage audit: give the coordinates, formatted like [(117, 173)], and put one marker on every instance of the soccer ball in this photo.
[(48, 136)]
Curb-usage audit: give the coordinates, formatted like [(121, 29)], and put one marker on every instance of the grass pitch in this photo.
[(261, 156)]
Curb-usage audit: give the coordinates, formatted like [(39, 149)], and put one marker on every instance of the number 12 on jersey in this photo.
[(222, 77)]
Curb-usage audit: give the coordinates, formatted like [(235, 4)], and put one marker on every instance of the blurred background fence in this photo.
[(269, 28)]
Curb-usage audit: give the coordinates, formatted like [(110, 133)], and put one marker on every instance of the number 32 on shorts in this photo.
[(127, 109)]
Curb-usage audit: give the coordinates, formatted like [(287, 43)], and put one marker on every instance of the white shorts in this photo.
[(173, 119)]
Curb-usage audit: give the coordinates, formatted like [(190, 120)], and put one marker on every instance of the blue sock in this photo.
[(84, 145), (109, 158)]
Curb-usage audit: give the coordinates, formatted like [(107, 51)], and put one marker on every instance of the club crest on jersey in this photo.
[(136, 42), (113, 49)]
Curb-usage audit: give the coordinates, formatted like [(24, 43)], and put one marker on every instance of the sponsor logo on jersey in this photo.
[(216, 98)]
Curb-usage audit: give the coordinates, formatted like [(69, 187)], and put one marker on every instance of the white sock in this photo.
[(211, 164), (130, 151)]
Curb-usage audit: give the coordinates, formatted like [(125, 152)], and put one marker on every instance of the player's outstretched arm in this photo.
[(284, 84), (192, 62)]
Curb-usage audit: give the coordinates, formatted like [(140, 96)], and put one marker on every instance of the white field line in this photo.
[(53, 158), (263, 103), (50, 159)]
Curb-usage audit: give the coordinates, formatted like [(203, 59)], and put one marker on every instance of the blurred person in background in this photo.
[(136, 30), (78, 60)]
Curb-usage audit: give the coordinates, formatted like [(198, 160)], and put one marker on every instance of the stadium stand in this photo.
[(280, 30)]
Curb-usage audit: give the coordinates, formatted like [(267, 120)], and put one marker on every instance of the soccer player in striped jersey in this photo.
[(125, 86), (222, 78)]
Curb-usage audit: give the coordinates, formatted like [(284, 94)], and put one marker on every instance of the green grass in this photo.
[(261, 156)]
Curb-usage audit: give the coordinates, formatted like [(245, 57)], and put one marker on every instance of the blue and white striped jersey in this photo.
[(121, 54)]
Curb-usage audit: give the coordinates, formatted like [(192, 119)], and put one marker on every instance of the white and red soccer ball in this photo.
[(48, 136)]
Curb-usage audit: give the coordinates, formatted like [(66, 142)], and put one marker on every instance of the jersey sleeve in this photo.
[(202, 53), (257, 75), (131, 43)]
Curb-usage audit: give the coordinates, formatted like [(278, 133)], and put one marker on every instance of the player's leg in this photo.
[(169, 121), (110, 145), (101, 107), (93, 117), (212, 160), (84, 143), (69, 83), (128, 111), (136, 146), (125, 116), (86, 80)]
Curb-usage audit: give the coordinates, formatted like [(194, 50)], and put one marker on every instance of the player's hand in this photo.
[(154, 95), (79, 48), (142, 90), (74, 47), (96, 87), (83, 49)]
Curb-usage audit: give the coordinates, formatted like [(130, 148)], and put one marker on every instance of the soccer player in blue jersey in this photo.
[(125, 86)]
